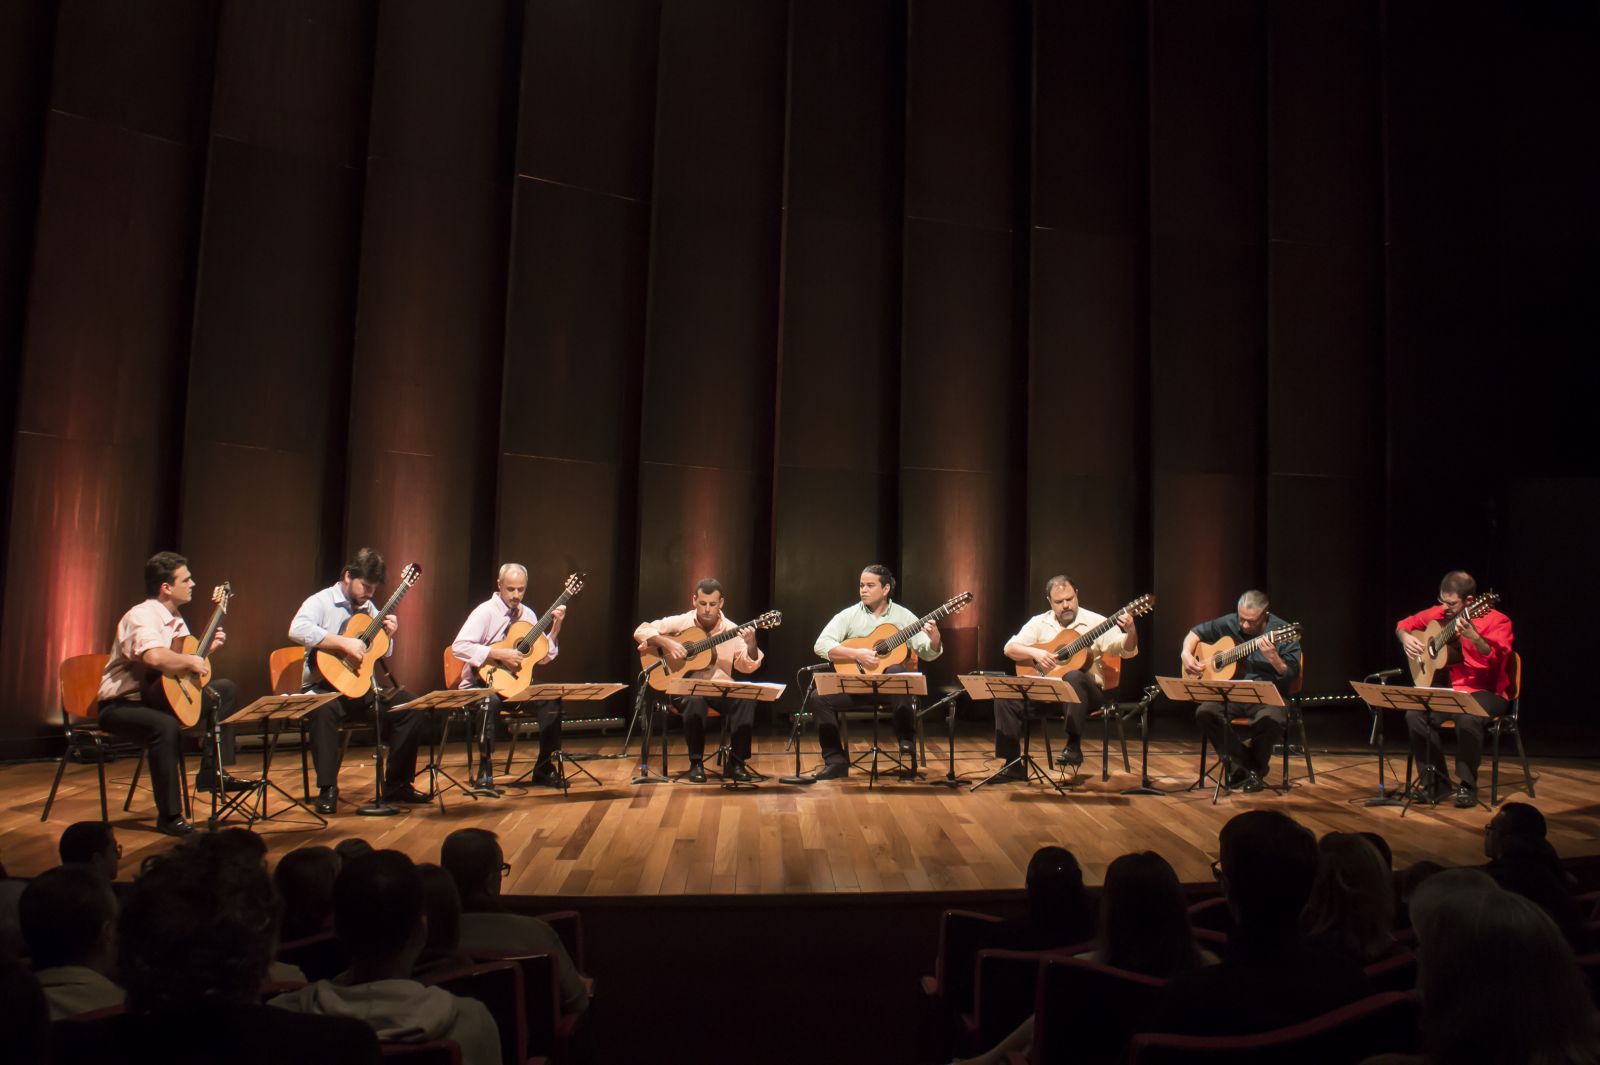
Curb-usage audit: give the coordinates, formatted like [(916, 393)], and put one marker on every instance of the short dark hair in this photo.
[(1060, 578), (707, 585), (1458, 582), (1057, 902), (1521, 820), (441, 901), (352, 847), (244, 845), (1381, 845), (1270, 863), (83, 841), (882, 572), (377, 904), (367, 565), (470, 856), (62, 912), (304, 879), (197, 922), (160, 569)]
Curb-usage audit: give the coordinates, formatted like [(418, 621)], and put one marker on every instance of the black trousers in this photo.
[(403, 734), (546, 712), (826, 708), (1427, 747), (741, 715), (1008, 714), (1255, 751), (160, 733)]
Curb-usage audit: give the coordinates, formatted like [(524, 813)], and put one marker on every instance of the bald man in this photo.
[(485, 626)]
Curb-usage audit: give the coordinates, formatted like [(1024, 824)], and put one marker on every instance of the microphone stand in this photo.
[(646, 775), (799, 725), (1145, 787), (1383, 798), (949, 780), (377, 807)]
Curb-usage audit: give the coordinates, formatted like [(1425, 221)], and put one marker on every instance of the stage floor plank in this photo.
[(837, 837)]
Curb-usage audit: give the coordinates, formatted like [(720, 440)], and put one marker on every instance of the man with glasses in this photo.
[(1485, 655)]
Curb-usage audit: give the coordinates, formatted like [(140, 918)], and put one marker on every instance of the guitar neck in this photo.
[(709, 642), (388, 608), (912, 629), (1248, 648), (541, 626), (1098, 631), (211, 630)]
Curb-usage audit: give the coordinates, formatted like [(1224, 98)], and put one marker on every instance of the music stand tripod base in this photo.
[(1030, 690), (269, 710), (1229, 693), (876, 686), (563, 693)]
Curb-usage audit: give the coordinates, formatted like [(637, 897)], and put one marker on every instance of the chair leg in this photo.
[(100, 768), (1311, 774), (127, 803), (1105, 744), (61, 767), (512, 753), (305, 765), (1494, 767), (1285, 767), (183, 783), (1516, 734), (1122, 741)]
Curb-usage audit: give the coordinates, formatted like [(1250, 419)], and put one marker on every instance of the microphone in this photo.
[(813, 669), (1385, 675)]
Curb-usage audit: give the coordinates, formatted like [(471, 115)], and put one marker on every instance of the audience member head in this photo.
[(69, 917), (352, 847), (1414, 876), (1056, 899), (91, 843), (24, 1015), (473, 858), (441, 904), (199, 926), (377, 915), (1144, 918), (304, 879), (1513, 823), (1496, 979), (1268, 864), (1352, 901), (1381, 845), (246, 847)]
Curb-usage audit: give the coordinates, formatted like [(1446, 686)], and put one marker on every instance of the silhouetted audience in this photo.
[(304, 879), (1352, 904), (1522, 860), (92, 844), (352, 847), (195, 940), (441, 904), (1060, 913), (473, 858), (378, 917), (24, 1016), (69, 922), (1144, 920)]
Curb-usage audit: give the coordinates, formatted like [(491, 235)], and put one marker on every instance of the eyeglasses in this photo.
[(1216, 869), (505, 869)]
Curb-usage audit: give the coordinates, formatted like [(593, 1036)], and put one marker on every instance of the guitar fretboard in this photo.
[(1098, 631), (371, 631), (912, 629), (1245, 650), (541, 626)]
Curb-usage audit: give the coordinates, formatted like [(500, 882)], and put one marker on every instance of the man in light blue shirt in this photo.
[(874, 609)]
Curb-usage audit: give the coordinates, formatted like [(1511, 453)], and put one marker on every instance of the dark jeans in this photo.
[(741, 715), (160, 733), (1428, 749), (403, 733), (1255, 752), (1008, 714), (547, 712), (826, 708)]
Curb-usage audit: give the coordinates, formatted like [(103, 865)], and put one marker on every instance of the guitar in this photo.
[(1071, 647), (181, 694), (699, 650), (1440, 641), (1221, 659), (891, 644), (356, 682), (531, 640)]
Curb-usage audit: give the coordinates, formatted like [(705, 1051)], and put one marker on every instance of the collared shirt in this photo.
[(74, 989), (322, 613), (1255, 667), (731, 654), (856, 621), (488, 624), (146, 626), (1042, 628), (1475, 672)]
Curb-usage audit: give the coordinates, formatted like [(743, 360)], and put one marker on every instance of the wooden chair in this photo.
[(1395, 973), (1085, 1011), (1379, 1024), (499, 986), (1294, 719), (1003, 991), (1109, 712), (80, 717), (284, 670), (1510, 721)]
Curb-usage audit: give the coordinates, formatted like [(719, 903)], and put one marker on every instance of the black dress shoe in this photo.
[(697, 772), (327, 800), (207, 781), (1017, 772), (1252, 783), (1071, 755), (736, 772), (1237, 777), (406, 794), (174, 826), (545, 776), (1466, 796), (832, 771)]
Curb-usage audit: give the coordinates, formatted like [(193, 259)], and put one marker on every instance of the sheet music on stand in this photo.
[(274, 712), (713, 688), (579, 693), (1029, 690), (872, 685), (1229, 693), (1383, 697)]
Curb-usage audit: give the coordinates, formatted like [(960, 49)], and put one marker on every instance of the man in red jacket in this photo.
[(1481, 672)]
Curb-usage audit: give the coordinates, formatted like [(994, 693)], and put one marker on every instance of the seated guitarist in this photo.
[(318, 626), (486, 626), (1481, 672), (144, 642), (874, 609), (731, 655), (1064, 613), (1246, 764)]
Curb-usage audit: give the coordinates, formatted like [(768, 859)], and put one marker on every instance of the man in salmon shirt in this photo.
[(1481, 672), (741, 654)]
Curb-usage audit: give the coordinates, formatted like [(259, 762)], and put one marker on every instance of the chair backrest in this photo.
[(1212, 914), (1395, 973), (962, 933), (1110, 672), (1300, 677), (320, 957), (80, 686), (1514, 679), (433, 1052), (568, 924), (541, 1002), (1385, 1023), (284, 669), (452, 668), (1085, 1011), (498, 985), (1003, 992)]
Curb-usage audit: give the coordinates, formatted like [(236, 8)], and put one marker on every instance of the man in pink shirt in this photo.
[(741, 654)]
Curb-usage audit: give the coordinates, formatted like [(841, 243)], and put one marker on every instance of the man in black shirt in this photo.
[(1245, 763)]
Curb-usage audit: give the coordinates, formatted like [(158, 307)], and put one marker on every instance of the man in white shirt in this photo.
[(1121, 640), (69, 918)]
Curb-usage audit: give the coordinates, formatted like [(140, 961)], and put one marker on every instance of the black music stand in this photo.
[(949, 780), (876, 686), (712, 688), (1031, 690), (641, 701), (446, 701), (1145, 706), (562, 693), (1383, 798), (270, 711), (1229, 693), (1428, 701)]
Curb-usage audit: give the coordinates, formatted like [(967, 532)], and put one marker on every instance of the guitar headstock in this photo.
[(958, 603), (770, 620), (411, 574), (574, 584), (1482, 604), (1140, 606), (221, 594), (1292, 631)]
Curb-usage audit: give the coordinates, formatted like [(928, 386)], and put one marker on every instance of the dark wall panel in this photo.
[(839, 363), (712, 337), (1207, 308), (100, 394), (269, 388), (430, 310), (569, 430), (961, 416)]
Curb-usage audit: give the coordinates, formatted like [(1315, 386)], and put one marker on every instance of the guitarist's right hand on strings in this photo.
[(506, 657), (1191, 665), (866, 657), (352, 650), (1413, 646), (1045, 661), (671, 650)]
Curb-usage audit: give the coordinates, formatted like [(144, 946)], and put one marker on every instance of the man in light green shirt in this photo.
[(874, 609)]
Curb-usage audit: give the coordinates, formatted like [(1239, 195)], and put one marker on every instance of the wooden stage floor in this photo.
[(837, 837)]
